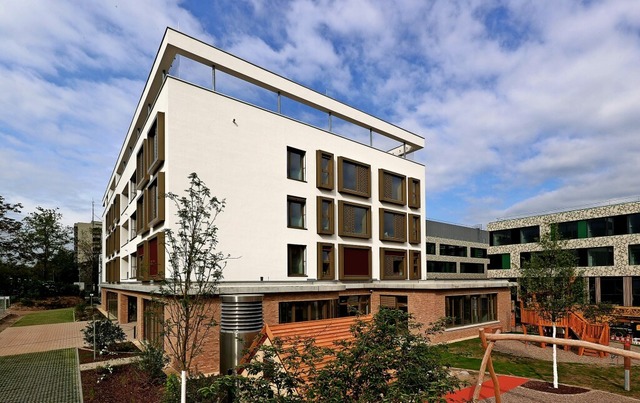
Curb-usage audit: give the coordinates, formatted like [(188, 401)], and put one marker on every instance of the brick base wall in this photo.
[(427, 306)]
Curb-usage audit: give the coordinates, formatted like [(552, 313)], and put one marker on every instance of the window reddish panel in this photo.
[(153, 257), (356, 262)]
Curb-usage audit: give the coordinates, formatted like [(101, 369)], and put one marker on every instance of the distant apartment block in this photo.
[(325, 204), (605, 240), (87, 246), (456, 252)]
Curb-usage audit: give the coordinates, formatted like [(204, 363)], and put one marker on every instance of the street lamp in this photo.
[(93, 317)]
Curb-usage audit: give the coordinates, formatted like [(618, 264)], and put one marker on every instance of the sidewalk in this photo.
[(39, 338)]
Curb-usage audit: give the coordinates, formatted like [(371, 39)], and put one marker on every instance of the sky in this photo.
[(526, 107)]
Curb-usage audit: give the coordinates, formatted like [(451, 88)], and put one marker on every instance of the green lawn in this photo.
[(46, 317), (468, 355)]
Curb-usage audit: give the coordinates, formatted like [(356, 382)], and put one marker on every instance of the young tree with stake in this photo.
[(552, 282), (196, 269)]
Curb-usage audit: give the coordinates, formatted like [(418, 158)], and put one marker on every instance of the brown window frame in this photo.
[(414, 193), (382, 174), (331, 275), (304, 261), (156, 144), (142, 162), (415, 228), (303, 202), (383, 260), (356, 192), (341, 255), (393, 302), (144, 260), (341, 230), (384, 237), (158, 198), (413, 273), (320, 155), (319, 215), (303, 167)]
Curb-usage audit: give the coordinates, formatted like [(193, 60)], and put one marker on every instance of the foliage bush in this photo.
[(152, 362), (106, 334)]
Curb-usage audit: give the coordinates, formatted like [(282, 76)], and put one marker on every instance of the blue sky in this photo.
[(526, 106)]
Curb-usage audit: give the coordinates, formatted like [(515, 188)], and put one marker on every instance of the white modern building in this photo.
[(324, 203)]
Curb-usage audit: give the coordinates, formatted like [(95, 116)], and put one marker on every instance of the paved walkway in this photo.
[(37, 338), (39, 363)]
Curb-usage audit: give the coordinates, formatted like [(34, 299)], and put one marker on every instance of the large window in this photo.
[(324, 170), (393, 226), (434, 266), (634, 255), (351, 305), (296, 260), (501, 261), (354, 177), (415, 230), (392, 187), (471, 309), (415, 261), (480, 253), (354, 220), (475, 268), (156, 256), (591, 257), (394, 302), (611, 290), (355, 262), (300, 311), (453, 250), (325, 215), (295, 164), (112, 305), (153, 313), (431, 248), (414, 193), (599, 227), (393, 264), (326, 261), (515, 236), (296, 212)]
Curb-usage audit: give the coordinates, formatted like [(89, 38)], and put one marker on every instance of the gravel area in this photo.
[(518, 348)]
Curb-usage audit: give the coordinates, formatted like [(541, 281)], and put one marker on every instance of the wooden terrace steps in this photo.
[(573, 325)]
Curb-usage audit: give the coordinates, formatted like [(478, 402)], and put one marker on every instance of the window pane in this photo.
[(295, 164), (349, 175), (611, 290), (296, 213), (296, 260)]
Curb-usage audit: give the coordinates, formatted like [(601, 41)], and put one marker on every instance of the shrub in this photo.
[(106, 334), (172, 390), (81, 312), (27, 302), (152, 362)]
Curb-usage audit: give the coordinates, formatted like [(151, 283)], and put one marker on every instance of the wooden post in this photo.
[(627, 367), (486, 359)]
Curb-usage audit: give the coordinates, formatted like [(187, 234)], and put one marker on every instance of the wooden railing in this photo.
[(488, 341), (592, 332)]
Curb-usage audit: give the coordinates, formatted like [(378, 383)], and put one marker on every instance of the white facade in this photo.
[(240, 151)]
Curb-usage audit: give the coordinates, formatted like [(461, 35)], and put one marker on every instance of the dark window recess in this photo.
[(453, 250), (568, 230), (352, 305), (597, 227), (480, 253), (431, 248), (515, 236), (472, 268), (590, 257), (471, 309), (611, 290), (634, 255), (635, 290), (300, 311), (501, 261), (441, 267), (592, 289)]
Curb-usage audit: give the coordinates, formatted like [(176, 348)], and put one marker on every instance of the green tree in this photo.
[(42, 238), (390, 358), (9, 227), (10, 269), (551, 281), (195, 271)]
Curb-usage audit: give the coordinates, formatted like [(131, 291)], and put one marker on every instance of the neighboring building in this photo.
[(605, 239), (87, 246), (318, 223), (456, 252)]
